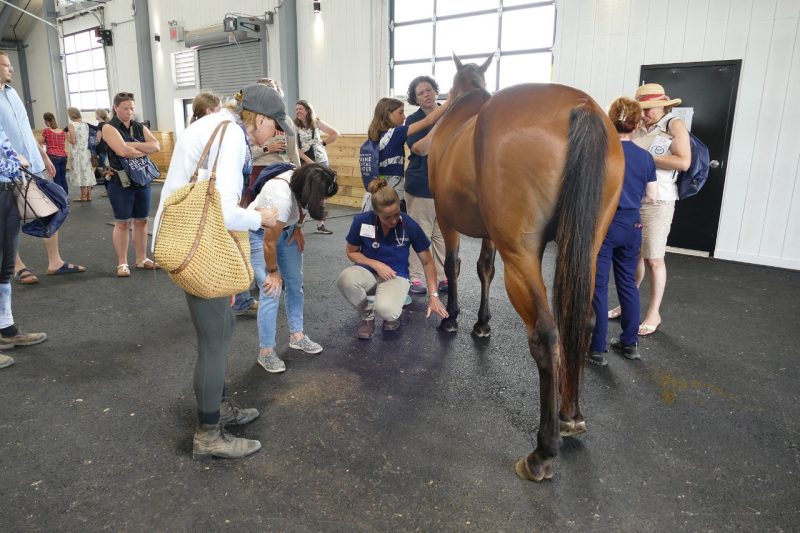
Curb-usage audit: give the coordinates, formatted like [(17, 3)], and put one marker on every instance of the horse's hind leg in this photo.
[(481, 328), (452, 267), (525, 286)]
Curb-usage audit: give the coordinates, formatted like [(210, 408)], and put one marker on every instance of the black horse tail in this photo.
[(577, 211)]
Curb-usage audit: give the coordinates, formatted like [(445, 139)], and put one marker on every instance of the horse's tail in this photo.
[(577, 211)]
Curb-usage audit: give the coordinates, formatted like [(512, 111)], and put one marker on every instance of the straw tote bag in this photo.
[(192, 244)]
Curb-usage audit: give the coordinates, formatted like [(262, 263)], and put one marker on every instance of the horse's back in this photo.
[(521, 138)]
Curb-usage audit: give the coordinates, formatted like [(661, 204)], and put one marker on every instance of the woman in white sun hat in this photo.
[(665, 136)]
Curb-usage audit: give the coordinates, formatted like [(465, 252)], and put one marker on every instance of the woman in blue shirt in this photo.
[(624, 239), (378, 243), (389, 131)]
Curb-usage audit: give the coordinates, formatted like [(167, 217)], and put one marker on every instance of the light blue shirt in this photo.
[(14, 120)]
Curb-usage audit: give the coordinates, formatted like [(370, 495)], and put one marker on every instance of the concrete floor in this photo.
[(415, 432)]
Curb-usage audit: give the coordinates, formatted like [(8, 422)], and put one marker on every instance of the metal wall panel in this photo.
[(225, 70)]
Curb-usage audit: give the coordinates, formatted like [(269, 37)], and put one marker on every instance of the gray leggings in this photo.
[(213, 321)]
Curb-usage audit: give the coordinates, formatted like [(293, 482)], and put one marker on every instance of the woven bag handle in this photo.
[(204, 156), (213, 179)]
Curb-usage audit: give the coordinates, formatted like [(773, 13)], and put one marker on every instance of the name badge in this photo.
[(367, 230)]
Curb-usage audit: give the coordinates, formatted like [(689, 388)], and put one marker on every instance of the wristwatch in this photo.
[(435, 294)]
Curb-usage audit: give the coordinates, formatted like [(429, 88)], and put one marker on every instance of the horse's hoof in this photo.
[(448, 325), (541, 472), (481, 331), (571, 428)]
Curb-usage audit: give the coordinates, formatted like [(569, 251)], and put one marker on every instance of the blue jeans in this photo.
[(129, 203), (290, 265), (244, 298), (60, 163)]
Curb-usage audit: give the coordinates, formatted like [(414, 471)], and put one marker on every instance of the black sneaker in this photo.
[(597, 358), (321, 229), (628, 351)]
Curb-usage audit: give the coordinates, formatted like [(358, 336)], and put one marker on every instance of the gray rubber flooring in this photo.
[(419, 431)]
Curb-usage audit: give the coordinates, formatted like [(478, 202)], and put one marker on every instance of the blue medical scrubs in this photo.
[(621, 249)]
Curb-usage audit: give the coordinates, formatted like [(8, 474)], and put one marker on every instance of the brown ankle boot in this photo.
[(210, 440)]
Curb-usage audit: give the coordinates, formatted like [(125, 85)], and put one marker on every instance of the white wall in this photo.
[(601, 45), (39, 76), (343, 56)]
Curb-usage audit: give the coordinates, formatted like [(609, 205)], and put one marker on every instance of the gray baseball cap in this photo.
[(266, 101)]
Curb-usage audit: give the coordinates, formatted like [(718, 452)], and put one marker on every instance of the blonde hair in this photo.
[(203, 104), (74, 113), (380, 120), (625, 113), (104, 116), (382, 194)]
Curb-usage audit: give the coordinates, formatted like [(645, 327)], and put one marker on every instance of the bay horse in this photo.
[(530, 164)]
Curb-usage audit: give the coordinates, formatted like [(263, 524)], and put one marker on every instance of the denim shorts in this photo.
[(129, 203)]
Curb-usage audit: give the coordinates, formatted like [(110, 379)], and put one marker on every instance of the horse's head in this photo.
[(469, 76)]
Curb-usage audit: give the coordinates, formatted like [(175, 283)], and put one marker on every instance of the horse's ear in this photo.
[(486, 64), (459, 66)]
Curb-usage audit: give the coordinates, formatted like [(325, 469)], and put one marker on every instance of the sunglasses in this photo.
[(332, 186), (124, 95)]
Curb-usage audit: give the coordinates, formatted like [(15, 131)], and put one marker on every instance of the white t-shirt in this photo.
[(277, 189)]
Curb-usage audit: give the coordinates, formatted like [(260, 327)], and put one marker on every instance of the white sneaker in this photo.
[(305, 344), (272, 363)]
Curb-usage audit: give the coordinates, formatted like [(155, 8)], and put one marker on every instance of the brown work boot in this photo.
[(231, 414), (391, 325), (6, 361), (366, 329), (23, 339), (210, 440)]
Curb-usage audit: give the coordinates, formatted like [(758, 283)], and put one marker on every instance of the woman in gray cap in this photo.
[(261, 110)]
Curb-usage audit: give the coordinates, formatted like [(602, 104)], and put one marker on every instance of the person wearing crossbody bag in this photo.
[(126, 138), (260, 110)]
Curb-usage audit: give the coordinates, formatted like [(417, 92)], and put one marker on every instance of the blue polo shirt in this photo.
[(391, 249), (417, 169), (14, 120), (640, 169)]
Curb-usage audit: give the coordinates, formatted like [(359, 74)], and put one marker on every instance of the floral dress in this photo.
[(81, 174)]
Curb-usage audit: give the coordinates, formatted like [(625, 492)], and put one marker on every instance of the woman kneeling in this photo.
[(378, 243)]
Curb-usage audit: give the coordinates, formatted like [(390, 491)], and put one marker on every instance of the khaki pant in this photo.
[(423, 212), (356, 283)]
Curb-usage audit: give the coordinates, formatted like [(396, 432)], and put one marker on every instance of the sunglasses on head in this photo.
[(124, 95), (332, 186)]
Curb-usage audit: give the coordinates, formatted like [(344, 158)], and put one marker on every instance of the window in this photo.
[(424, 34), (85, 62)]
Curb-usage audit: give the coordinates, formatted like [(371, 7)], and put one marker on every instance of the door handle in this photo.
[(714, 163)]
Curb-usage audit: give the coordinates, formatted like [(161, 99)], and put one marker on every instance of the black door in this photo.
[(710, 89)]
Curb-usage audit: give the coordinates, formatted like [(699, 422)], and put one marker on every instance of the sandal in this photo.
[(147, 264), (66, 268), (647, 329), (123, 271), (615, 313), (26, 277)]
